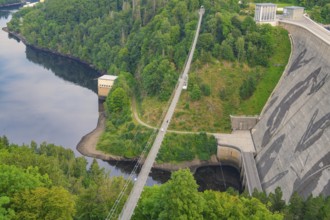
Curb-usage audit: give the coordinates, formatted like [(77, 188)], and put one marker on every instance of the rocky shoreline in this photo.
[(87, 144)]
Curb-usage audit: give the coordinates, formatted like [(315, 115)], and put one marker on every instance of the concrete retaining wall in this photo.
[(230, 156), (292, 137), (243, 122)]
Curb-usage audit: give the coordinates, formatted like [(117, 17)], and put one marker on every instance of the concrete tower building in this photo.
[(265, 12)]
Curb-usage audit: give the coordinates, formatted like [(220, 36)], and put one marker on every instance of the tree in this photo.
[(206, 41), (176, 199), (195, 93), (226, 51), (14, 179), (4, 142), (94, 203), (95, 173), (206, 89), (313, 208), (247, 88), (5, 213), (295, 209), (118, 100), (240, 50), (44, 203), (325, 13), (277, 203), (179, 199)]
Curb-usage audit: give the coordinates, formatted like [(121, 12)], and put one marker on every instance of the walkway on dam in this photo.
[(135, 194), (311, 26), (242, 140)]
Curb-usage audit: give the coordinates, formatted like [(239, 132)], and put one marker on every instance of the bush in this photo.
[(247, 88)]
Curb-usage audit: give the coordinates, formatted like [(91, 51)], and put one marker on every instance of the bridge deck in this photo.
[(133, 199)]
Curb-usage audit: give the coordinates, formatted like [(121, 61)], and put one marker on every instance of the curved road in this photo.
[(131, 203)]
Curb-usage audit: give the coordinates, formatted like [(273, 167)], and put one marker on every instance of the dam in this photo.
[(292, 136)]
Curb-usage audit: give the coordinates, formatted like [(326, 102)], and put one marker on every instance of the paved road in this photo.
[(131, 203)]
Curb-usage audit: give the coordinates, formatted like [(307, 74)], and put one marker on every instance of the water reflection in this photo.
[(4, 14), (155, 176), (218, 178), (38, 105), (208, 178), (67, 69)]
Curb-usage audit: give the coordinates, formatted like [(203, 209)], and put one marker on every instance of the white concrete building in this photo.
[(265, 12), (104, 84), (293, 12)]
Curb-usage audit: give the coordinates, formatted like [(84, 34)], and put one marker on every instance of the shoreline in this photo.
[(22, 38), (11, 5), (87, 147), (87, 144)]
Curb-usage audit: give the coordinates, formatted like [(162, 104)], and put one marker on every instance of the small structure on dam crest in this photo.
[(265, 13), (293, 12), (104, 84)]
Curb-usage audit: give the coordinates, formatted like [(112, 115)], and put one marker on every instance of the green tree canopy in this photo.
[(14, 179), (176, 199), (44, 203), (179, 199)]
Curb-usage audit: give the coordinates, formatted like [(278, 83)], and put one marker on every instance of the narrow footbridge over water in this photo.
[(131, 203)]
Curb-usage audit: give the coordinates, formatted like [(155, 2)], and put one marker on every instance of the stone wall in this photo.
[(292, 137)]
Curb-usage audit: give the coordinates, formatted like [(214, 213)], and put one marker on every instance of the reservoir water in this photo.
[(45, 97)]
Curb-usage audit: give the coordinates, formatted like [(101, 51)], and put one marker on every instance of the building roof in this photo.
[(266, 4), (108, 77)]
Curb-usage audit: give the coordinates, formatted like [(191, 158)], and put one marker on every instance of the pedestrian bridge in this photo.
[(135, 194)]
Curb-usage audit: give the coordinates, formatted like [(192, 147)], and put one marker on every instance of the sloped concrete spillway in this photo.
[(292, 137)]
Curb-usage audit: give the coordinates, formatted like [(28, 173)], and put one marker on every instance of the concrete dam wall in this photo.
[(292, 138)]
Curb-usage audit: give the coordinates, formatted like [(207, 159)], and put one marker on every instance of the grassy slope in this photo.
[(211, 114)]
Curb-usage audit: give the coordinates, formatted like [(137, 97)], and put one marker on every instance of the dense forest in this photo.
[(146, 44), (120, 28), (48, 182), (179, 199)]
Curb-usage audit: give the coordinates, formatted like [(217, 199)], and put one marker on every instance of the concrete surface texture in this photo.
[(240, 139), (292, 138)]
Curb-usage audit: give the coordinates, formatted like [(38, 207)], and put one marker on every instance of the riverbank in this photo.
[(11, 5), (87, 147), (87, 144)]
